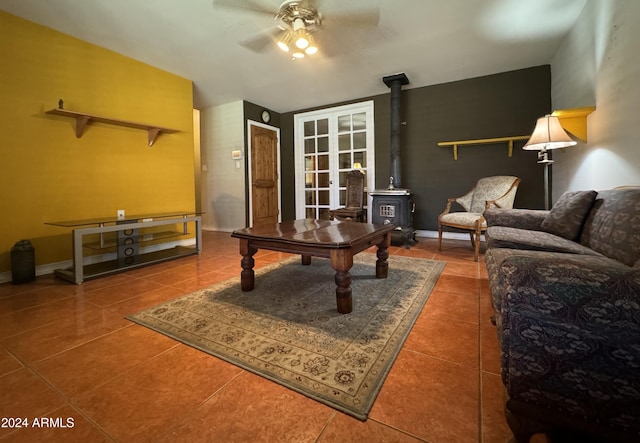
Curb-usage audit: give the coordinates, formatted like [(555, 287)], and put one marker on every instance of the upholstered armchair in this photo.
[(498, 191), (354, 204)]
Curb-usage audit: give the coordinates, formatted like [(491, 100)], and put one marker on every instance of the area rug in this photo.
[(288, 329)]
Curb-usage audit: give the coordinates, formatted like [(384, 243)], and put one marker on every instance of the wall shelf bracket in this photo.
[(152, 134), (82, 119)]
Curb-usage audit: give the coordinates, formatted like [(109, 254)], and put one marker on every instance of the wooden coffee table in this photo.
[(338, 241)]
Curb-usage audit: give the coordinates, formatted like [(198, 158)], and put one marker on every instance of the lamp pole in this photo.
[(546, 186), (543, 157)]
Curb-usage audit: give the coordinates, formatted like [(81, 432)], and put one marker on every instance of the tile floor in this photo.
[(68, 353)]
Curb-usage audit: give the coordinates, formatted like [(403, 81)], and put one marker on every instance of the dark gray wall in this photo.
[(254, 112), (499, 105)]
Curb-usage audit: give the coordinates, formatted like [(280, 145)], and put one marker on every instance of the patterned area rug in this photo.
[(288, 329)]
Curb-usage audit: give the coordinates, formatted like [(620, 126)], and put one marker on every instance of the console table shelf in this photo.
[(82, 119), (148, 237), (129, 236), (109, 267)]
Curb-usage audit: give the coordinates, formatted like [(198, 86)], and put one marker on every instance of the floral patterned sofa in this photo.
[(565, 288)]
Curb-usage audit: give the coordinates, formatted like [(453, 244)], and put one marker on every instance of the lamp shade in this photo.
[(548, 134)]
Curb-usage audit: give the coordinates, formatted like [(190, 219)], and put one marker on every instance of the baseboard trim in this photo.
[(445, 235), (215, 229), (49, 268)]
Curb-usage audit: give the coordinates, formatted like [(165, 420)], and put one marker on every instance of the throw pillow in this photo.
[(568, 214)]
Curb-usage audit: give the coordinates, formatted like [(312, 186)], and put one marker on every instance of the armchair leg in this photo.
[(476, 245), (439, 237), (477, 250)]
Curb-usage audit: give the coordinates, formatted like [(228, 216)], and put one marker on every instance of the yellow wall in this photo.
[(47, 174)]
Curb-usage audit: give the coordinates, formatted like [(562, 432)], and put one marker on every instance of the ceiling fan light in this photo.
[(297, 54), (284, 42), (283, 46), (312, 48), (301, 39)]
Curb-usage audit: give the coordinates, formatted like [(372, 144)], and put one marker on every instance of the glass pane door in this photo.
[(317, 181), (328, 144), (352, 149)]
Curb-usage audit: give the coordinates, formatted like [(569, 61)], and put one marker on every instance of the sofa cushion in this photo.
[(611, 227), (514, 238), (463, 218), (568, 214)]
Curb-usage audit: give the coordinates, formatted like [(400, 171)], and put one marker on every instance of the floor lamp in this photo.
[(548, 134)]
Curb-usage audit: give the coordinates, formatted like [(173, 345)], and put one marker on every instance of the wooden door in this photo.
[(264, 176)]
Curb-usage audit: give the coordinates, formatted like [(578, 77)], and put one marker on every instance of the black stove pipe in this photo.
[(395, 82)]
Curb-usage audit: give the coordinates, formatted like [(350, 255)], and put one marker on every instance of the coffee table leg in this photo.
[(306, 260), (247, 276), (382, 267), (342, 261)]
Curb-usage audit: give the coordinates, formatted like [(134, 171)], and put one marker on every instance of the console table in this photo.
[(130, 233)]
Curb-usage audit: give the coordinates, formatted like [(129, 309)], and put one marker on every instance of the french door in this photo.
[(328, 144)]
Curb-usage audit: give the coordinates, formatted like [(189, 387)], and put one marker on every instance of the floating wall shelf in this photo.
[(483, 141), (572, 120), (83, 118), (575, 120)]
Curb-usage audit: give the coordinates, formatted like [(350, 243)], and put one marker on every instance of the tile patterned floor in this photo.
[(66, 351)]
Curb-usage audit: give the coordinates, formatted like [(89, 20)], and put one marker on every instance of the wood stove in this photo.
[(394, 204)]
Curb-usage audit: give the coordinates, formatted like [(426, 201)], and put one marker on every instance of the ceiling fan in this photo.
[(297, 21)]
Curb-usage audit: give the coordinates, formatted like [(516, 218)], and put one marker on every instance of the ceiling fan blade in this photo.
[(366, 19), (340, 41), (262, 42), (245, 5)]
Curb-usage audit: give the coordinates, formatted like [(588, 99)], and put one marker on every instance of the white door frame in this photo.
[(298, 121)]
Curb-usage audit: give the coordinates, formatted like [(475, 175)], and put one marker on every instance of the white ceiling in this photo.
[(432, 41)]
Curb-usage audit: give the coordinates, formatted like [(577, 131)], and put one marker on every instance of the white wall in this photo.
[(223, 185), (598, 65)]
